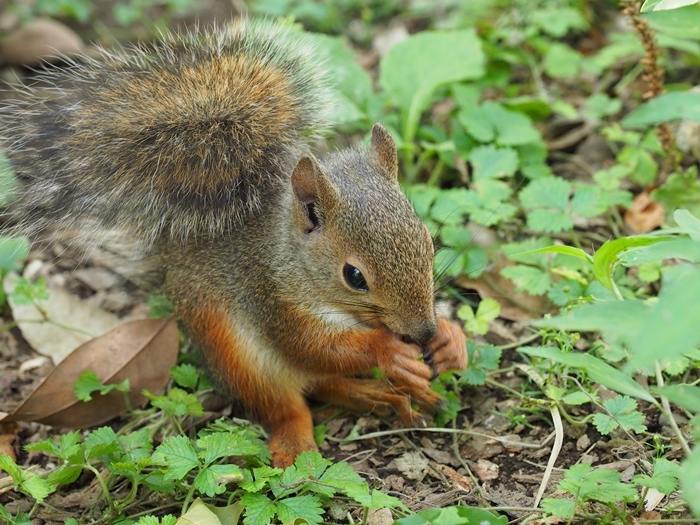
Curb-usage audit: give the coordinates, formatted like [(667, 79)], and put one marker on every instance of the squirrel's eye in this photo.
[(353, 276)]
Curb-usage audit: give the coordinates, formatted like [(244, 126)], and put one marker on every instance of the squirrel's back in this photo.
[(181, 138)]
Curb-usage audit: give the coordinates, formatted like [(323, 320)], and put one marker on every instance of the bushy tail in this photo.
[(180, 138)]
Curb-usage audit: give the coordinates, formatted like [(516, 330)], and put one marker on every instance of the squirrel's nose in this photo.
[(422, 333)]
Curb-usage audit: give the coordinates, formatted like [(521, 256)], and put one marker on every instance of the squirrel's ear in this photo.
[(384, 150), (311, 187), (305, 180)]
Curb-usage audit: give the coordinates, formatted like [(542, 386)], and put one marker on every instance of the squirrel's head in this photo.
[(370, 255)]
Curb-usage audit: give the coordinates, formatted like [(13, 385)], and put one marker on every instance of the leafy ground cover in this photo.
[(552, 148)]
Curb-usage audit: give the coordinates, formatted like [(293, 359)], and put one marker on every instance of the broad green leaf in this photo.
[(689, 476), (664, 479), (607, 256), (623, 412), (686, 396), (680, 190), (550, 192), (534, 281), (223, 444), (563, 508), (658, 5), (178, 455), (351, 82), (492, 122), (597, 369), (185, 375), (679, 248), (414, 68), (588, 201), (565, 250), (577, 398), (13, 252), (306, 507), (454, 515), (101, 442), (676, 105), (644, 329), (561, 61), (490, 162), (688, 222), (259, 509), (549, 221), (683, 22)]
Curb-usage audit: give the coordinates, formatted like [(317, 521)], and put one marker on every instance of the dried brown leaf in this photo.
[(142, 351), (644, 215)]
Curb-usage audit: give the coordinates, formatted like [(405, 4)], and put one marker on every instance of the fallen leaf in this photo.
[(142, 351), (413, 465), (485, 470), (644, 215), (515, 306), (380, 517), (73, 322), (459, 481), (652, 499)]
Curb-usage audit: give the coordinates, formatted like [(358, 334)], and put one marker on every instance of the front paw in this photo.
[(448, 349), (400, 362)]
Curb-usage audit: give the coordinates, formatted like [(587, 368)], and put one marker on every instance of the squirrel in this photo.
[(296, 276)]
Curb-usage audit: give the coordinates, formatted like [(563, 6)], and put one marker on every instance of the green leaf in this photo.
[(680, 190), (685, 396), (491, 162), (13, 252), (351, 82), (178, 455), (597, 369), (588, 201), (213, 479), (658, 5), (678, 23), (453, 515), (623, 412), (679, 248), (311, 464), (25, 481), (563, 508), (577, 398), (689, 476), (101, 442), (561, 61), (664, 478), (482, 358), (414, 68), (549, 192), (528, 278), (259, 509), (688, 223), (676, 105), (566, 250), (493, 122), (185, 375), (608, 255), (306, 507), (224, 444)]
